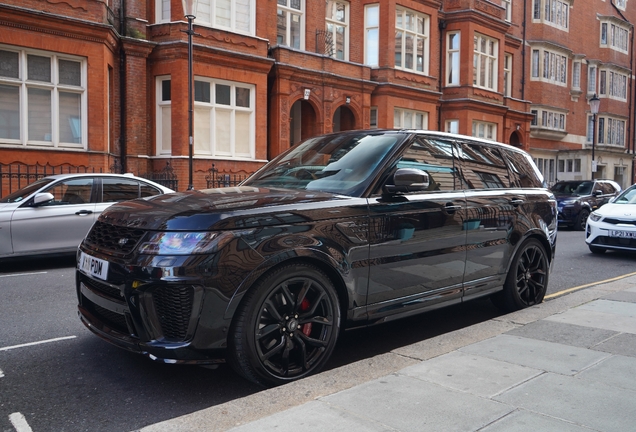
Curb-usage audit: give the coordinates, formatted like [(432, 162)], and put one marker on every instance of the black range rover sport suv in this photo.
[(340, 231)]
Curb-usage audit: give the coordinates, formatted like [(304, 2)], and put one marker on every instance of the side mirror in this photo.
[(408, 180), (42, 198)]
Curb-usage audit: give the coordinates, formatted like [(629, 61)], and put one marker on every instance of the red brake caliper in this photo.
[(304, 305)]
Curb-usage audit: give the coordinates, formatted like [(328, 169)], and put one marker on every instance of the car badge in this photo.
[(122, 241)]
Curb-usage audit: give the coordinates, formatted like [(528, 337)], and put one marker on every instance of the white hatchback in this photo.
[(613, 226), (52, 215)]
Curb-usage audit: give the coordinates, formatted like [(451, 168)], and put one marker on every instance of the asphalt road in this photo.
[(60, 377)]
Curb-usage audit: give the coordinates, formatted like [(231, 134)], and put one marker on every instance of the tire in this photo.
[(527, 279), (286, 326), (597, 250), (581, 219)]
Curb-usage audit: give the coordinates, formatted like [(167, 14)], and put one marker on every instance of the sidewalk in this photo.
[(568, 364)]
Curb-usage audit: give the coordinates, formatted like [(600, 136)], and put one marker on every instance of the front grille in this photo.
[(174, 308), (120, 241), (615, 221), (101, 287), (111, 319), (614, 241)]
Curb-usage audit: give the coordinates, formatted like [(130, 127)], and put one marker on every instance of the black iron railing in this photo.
[(15, 176), (166, 177), (215, 179)]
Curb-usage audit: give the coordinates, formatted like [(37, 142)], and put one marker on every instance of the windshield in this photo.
[(573, 187), (627, 197), (336, 163), (22, 194)]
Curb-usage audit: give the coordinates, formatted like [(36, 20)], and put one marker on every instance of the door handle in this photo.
[(452, 208), (517, 201), (84, 212)]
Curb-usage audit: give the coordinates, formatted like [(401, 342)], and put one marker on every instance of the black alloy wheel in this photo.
[(527, 280), (581, 220), (286, 327)]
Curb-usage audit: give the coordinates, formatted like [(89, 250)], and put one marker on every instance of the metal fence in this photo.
[(17, 175), (166, 177), (215, 179)]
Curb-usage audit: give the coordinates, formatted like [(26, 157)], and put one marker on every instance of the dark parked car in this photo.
[(578, 198), (343, 230)]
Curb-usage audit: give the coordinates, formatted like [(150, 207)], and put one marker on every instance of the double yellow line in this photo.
[(569, 290)]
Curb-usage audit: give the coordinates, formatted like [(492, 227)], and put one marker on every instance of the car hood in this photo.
[(621, 211), (230, 208)]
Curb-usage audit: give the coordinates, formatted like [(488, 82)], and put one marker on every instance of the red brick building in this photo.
[(104, 84)]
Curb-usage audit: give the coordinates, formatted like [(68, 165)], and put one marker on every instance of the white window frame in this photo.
[(206, 15), (211, 108), (452, 126), (549, 119), (344, 24), (621, 4), (485, 130), (612, 84), (371, 34), (576, 75), (291, 12), (23, 84), (400, 115), (373, 117), (507, 78), (507, 5), (163, 132), (549, 65), (610, 130), (485, 63), (453, 59), (416, 35), (555, 13), (614, 36), (592, 69), (162, 11)]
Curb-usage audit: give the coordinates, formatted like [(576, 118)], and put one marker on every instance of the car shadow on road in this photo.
[(46, 262)]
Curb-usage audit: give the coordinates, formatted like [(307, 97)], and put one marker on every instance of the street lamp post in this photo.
[(189, 10), (594, 105)]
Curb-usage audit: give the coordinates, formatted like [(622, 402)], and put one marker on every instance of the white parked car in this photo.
[(53, 214), (613, 226)]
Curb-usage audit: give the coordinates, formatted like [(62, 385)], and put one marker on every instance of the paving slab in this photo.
[(524, 421), (563, 333), (547, 356), (616, 371), (588, 403), (621, 344), (409, 404), (470, 373), (314, 416), (592, 317)]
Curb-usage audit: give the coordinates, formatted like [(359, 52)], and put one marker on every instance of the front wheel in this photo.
[(286, 327), (581, 220), (527, 279)]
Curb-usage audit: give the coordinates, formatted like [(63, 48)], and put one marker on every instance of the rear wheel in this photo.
[(597, 250), (286, 327), (581, 220), (527, 279)]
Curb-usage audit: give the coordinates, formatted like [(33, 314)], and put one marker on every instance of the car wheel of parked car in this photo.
[(286, 327), (597, 250), (527, 279), (581, 219)]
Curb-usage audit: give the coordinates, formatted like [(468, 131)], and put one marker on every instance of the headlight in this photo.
[(595, 217), (570, 202), (184, 243)]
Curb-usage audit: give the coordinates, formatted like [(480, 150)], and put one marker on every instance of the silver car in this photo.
[(53, 214)]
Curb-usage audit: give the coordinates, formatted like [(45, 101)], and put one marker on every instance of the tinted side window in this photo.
[(435, 157), (525, 172), (608, 189), (147, 190), (73, 191), (115, 189), (483, 166)]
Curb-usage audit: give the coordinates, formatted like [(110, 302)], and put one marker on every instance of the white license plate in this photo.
[(93, 266), (622, 234)]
